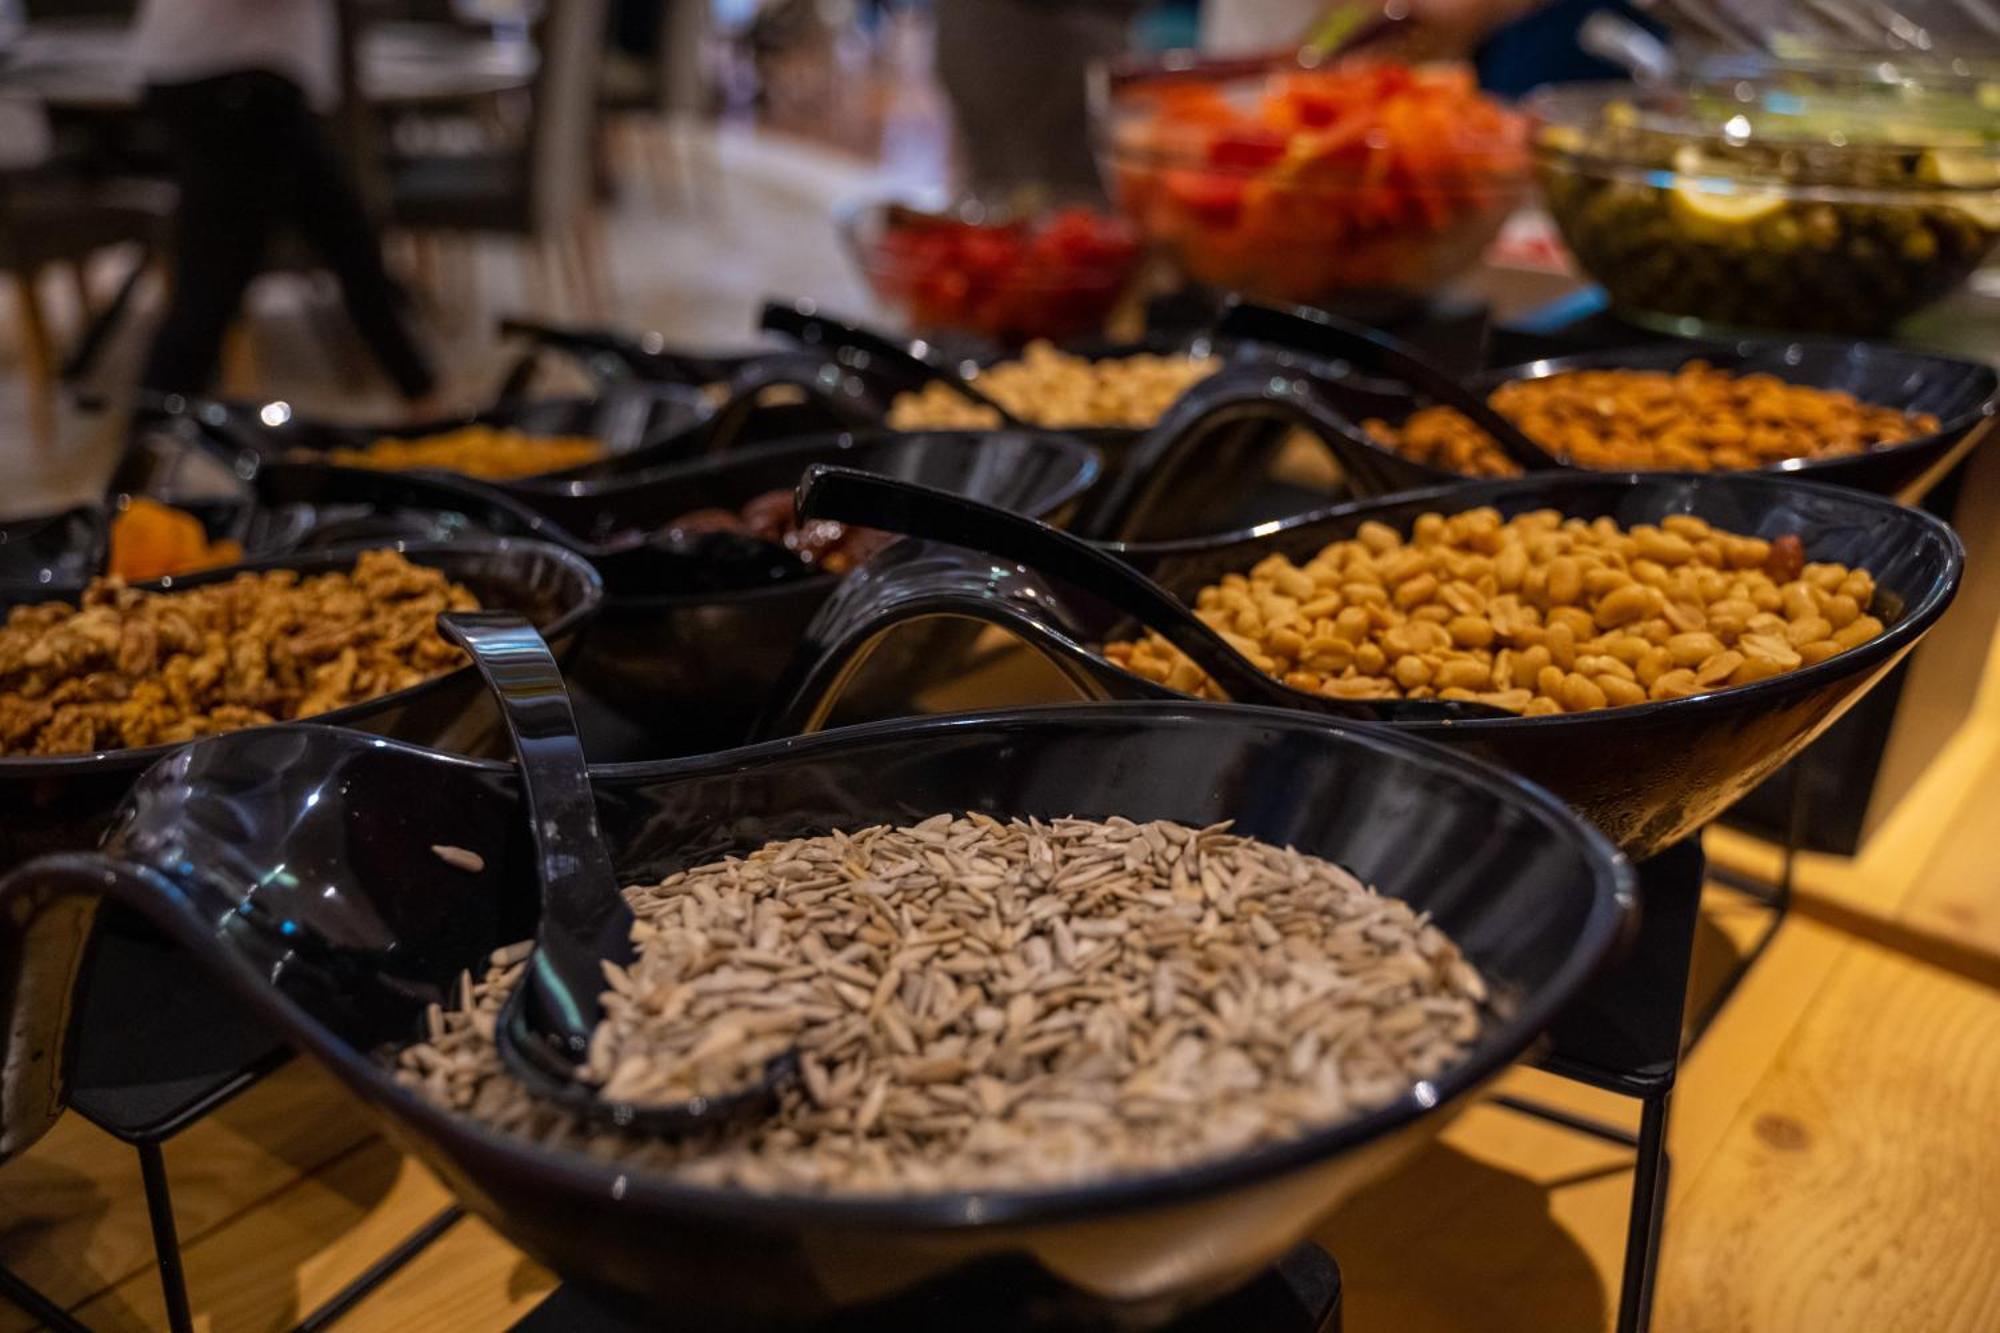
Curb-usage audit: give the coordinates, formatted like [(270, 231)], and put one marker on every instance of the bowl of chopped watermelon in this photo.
[(1307, 184), (1010, 271)]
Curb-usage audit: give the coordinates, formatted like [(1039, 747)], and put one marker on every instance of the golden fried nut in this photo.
[(1539, 614), (475, 451), (130, 668), (1694, 419)]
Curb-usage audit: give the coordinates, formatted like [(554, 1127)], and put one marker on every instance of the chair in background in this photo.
[(651, 89), (54, 221), (539, 189)]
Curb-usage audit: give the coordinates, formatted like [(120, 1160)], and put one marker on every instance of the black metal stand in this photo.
[(1299, 1294), (1630, 1031), (39, 1307), (159, 1049), (1624, 1035)]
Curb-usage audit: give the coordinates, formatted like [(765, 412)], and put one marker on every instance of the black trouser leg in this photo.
[(334, 223), (229, 209), (253, 158)]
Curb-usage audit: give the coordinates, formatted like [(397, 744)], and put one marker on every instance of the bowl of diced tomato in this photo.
[(1303, 184), (1011, 273)]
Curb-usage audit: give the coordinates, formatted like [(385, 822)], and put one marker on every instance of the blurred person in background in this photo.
[(1014, 72), (1518, 45), (238, 86)]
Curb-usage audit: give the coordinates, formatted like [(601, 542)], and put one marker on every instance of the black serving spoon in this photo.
[(607, 354), (544, 1029), (1317, 332), (868, 500), (908, 366)]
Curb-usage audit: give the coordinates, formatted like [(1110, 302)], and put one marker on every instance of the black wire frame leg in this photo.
[(1774, 897), (15, 1290), (1624, 1036), (173, 1278), (1646, 1222)]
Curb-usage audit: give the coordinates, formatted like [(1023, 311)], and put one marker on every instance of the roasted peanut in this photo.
[(1538, 614)]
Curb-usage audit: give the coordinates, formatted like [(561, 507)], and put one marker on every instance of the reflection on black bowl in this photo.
[(682, 673), (638, 424), (1221, 456), (343, 949), (1217, 478), (61, 802), (49, 552), (285, 509), (1647, 775), (1960, 394)]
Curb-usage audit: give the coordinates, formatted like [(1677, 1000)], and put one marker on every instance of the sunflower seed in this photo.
[(989, 1004)]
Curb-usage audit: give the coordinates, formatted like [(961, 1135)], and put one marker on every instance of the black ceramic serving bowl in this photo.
[(1209, 455), (62, 802), (284, 509), (1647, 775), (1963, 395), (342, 951), (668, 672), (1213, 450), (639, 424)]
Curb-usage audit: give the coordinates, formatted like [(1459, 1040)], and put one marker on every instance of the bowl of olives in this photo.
[(1790, 200)]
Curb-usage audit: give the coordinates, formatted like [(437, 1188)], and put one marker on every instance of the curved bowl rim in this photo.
[(816, 442), (1112, 80), (1469, 175), (482, 416), (1613, 899), (855, 216), (1639, 356), (1089, 467), (1452, 499), (1566, 106), (136, 758)]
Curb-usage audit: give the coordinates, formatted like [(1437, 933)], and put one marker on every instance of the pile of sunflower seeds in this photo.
[(983, 1005)]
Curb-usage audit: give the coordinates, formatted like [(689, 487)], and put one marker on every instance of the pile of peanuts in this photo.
[(1539, 614), (1695, 419), (1049, 387)]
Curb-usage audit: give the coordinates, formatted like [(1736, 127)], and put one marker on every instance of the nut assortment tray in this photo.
[(1481, 701)]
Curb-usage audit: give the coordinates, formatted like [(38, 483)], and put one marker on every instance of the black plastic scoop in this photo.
[(868, 500), (1315, 331), (866, 351), (545, 1027)]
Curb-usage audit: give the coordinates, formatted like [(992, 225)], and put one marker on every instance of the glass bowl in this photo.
[(1812, 200), (1003, 272), (1300, 185)]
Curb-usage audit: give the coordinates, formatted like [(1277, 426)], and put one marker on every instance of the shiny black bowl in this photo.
[(1647, 775), (285, 508), (47, 552), (1208, 460), (62, 802), (295, 864), (1212, 450), (639, 425), (1963, 395), (670, 672)]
